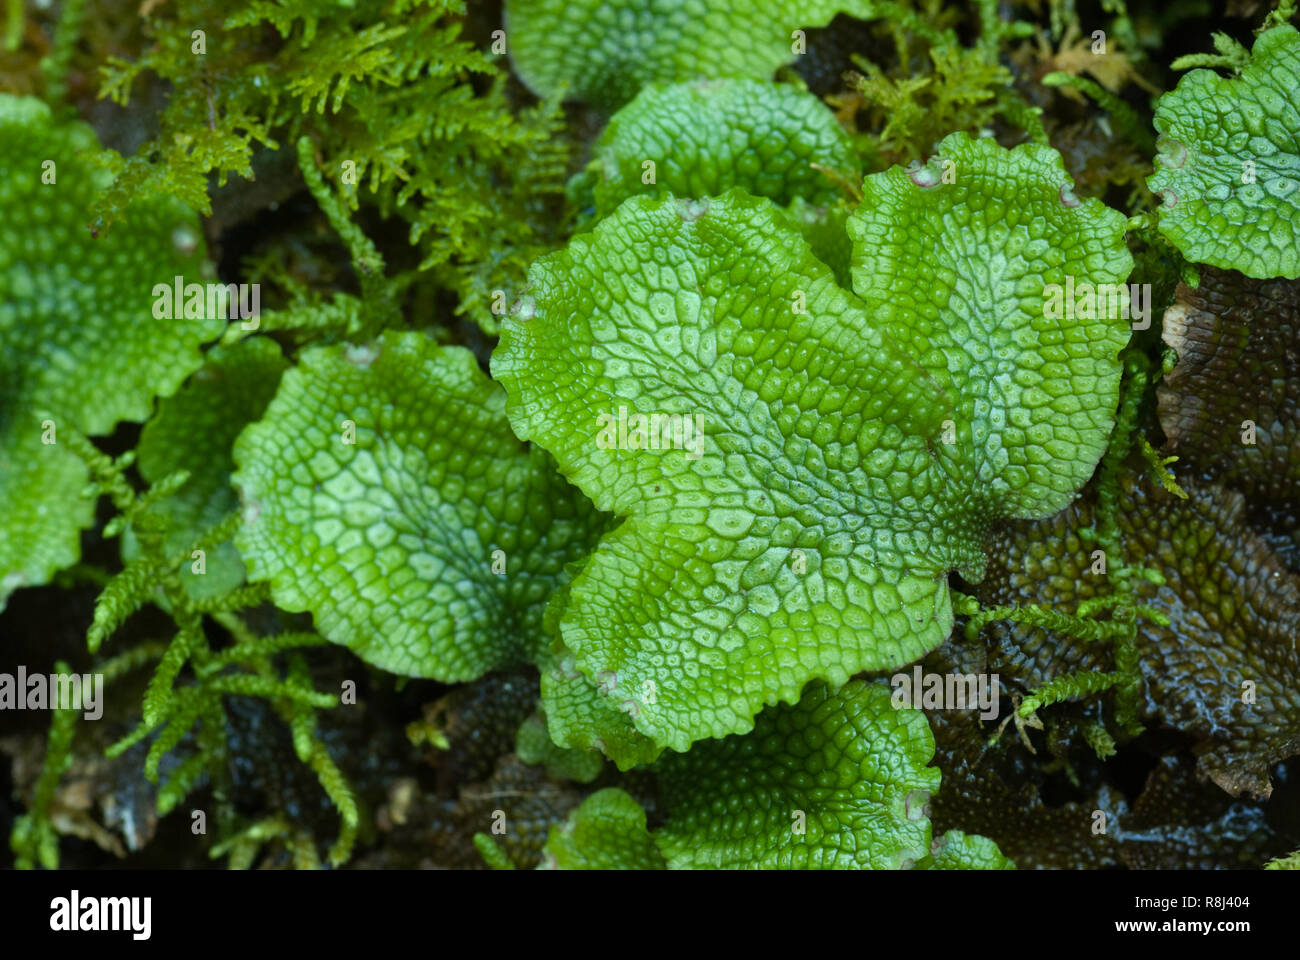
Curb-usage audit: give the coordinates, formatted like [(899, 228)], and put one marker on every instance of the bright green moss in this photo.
[(1228, 169), (964, 263), (581, 716), (959, 851), (748, 413), (834, 457), (534, 745), (384, 492), (838, 780), (77, 311), (607, 832), (606, 52), (195, 431), (700, 139), (82, 349)]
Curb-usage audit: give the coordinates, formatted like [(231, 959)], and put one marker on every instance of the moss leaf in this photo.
[(778, 447), (704, 138), (384, 492), (1228, 169), (839, 780), (605, 51), (608, 832)]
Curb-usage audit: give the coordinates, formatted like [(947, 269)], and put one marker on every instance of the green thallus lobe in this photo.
[(814, 537)]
